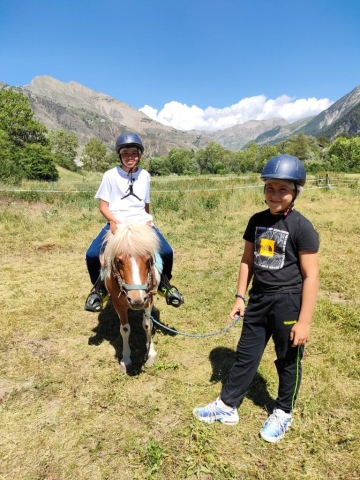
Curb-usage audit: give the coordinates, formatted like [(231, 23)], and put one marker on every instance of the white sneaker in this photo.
[(217, 411), (276, 425)]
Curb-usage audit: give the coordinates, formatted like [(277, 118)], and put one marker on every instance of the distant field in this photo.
[(67, 413)]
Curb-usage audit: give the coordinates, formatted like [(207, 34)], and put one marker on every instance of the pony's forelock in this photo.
[(133, 239)]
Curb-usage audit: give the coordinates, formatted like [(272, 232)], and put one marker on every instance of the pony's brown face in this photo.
[(134, 279)]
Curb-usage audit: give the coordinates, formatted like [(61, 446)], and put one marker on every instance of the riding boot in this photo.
[(97, 297), (172, 295)]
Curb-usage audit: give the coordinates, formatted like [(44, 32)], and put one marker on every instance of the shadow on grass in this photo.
[(108, 329), (222, 359)]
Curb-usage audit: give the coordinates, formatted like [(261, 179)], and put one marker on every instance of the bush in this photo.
[(37, 162), (65, 162)]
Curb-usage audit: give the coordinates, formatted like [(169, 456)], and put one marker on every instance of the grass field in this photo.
[(67, 413)]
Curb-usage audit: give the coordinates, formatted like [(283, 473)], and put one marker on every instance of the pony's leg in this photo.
[(121, 308), (147, 325), (126, 360)]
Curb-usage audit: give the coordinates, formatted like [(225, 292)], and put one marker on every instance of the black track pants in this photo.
[(266, 316)]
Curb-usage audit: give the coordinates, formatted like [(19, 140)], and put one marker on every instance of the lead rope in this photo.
[(194, 335)]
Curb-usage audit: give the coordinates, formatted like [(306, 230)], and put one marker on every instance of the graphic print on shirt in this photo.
[(269, 247), (130, 190)]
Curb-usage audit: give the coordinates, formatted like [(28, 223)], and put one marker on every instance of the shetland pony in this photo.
[(131, 279)]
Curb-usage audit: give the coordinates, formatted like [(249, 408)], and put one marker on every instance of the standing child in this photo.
[(124, 195), (281, 258)]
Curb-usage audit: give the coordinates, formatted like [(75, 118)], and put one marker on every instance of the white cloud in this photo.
[(183, 117)]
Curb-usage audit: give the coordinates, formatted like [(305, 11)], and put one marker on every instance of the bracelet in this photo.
[(238, 295)]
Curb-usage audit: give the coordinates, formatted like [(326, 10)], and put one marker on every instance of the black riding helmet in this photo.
[(285, 167), (129, 139)]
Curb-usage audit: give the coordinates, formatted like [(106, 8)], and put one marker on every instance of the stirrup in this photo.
[(97, 297), (174, 297), (94, 302)]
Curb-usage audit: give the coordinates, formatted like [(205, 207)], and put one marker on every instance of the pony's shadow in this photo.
[(222, 359), (108, 329)]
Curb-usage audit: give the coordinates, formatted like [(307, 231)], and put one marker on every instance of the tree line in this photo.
[(29, 151)]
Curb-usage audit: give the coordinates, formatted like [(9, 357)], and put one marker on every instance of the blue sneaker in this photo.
[(276, 425), (217, 411)]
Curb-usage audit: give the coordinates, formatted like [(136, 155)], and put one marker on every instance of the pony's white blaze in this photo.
[(135, 272), (138, 295)]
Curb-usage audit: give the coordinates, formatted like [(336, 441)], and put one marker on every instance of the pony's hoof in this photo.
[(151, 360), (124, 367)]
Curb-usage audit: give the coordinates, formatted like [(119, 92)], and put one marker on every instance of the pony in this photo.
[(131, 273)]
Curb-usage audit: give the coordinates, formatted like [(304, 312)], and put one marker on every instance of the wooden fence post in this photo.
[(327, 181)]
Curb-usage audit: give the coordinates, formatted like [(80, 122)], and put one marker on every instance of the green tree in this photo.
[(10, 169), (37, 162), (112, 159), (17, 119), (159, 166), (344, 154), (251, 159), (235, 162), (265, 152), (180, 161), (297, 146), (192, 167), (306, 148), (23, 143), (209, 157), (93, 156), (64, 144)]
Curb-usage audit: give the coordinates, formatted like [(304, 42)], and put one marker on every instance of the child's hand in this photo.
[(300, 334), (113, 226), (238, 309)]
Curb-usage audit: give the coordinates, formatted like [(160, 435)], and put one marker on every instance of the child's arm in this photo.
[(309, 265), (105, 211), (245, 274)]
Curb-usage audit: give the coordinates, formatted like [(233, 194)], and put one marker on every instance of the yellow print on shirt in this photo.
[(267, 247)]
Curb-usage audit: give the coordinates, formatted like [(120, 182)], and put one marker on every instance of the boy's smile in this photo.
[(130, 158), (278, 195)]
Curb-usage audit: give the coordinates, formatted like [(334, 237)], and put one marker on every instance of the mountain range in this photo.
[(89, 114)]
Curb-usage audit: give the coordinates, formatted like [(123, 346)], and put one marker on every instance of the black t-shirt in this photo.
[(277, 242)]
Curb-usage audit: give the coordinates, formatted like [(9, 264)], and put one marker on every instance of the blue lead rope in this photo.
[(194, 335)]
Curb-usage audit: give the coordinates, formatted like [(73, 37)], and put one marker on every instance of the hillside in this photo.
[(89, 114), (281, 132), (348, 125), (236, 137), (336, 114)]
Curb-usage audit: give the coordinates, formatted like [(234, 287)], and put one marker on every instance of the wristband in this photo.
[(238, 295)]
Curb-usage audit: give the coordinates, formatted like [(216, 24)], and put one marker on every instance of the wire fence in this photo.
[(324, 182)]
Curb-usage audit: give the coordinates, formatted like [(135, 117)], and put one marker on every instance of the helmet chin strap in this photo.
[(288, 210)]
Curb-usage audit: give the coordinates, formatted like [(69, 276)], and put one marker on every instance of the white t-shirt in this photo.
[(116, 185)]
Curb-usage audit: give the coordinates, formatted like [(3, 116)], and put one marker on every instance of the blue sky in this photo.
[(190, 63)]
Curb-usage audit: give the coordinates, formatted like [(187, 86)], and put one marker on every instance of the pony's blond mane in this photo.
[(133, 239)]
